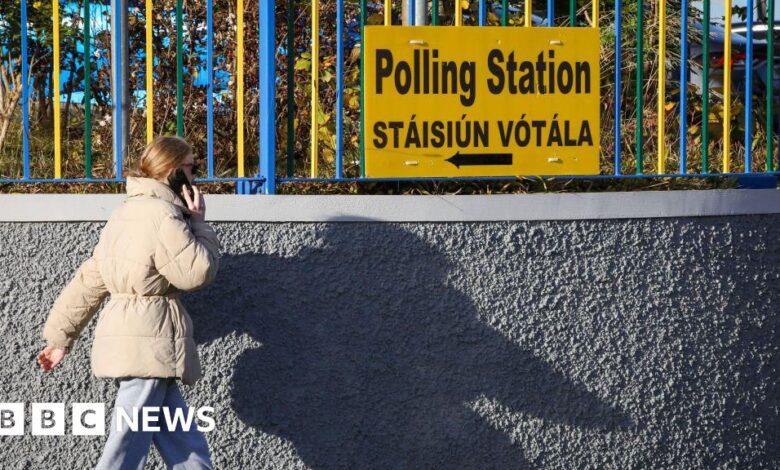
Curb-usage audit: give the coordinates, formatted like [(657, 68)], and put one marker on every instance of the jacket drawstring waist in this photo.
[(125, 295)]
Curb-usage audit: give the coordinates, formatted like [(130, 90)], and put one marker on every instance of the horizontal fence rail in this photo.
[(341, 156)]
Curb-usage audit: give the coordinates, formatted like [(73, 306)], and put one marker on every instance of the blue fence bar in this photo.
[(410, 12), (121, 180), (390, 180), (618, 78), (550, 12), (770, 49), (210, 91), (117, 98), (482, 12), (267, 46), (705, 108), (361, 136), (684, 87), (749, 89), (339, 88), (25, 96), (623, 177)]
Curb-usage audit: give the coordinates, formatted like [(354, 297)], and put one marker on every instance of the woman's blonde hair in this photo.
[(163, 154)]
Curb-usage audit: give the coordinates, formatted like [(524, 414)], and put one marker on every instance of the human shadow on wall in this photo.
[(369, 359)]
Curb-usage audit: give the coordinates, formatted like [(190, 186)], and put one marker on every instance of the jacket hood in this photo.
[(140, 186)]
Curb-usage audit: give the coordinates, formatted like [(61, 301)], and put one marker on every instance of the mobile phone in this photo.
[(177, 180)]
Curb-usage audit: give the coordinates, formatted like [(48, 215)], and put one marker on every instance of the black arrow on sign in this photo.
[(462, 159)]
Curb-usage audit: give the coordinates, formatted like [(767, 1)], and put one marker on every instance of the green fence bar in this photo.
[(770, 59), (362, 94), (290, 86), (179, 72), (87, 94), (504, 12), (573, 12), (639, 101), (435, 12)]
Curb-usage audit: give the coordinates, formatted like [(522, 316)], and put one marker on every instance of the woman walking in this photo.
[(155, 246)]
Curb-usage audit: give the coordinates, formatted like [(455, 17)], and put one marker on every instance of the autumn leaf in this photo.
[(322, 117), (375, 19), (328, 154)]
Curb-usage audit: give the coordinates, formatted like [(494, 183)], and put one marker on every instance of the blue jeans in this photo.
[(128, 450)]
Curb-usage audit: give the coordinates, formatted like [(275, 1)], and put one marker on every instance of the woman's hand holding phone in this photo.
[(195, 203)]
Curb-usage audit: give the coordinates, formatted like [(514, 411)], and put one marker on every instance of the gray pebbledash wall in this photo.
[(460, 334)]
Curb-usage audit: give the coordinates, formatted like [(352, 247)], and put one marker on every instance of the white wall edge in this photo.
[(347, 208)]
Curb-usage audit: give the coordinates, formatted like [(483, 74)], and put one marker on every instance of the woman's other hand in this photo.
[(49, 357), (195, 203)]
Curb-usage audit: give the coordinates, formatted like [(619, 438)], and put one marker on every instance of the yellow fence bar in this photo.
[(149, 77), (596, 13), (529, 6), (389, 12), (240, 86), (458, 13), (727, 91), (315, 88), (661, 87), (55, 8)]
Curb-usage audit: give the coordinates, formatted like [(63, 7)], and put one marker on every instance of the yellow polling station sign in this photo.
[(481, 101)]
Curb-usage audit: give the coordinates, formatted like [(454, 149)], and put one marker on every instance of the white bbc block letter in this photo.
[(89, 419), (11, 419), (48, 419)]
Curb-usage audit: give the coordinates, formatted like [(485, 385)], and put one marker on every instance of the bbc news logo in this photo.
[(89, 419)]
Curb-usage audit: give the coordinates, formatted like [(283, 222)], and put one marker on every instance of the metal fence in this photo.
[(266, 179)]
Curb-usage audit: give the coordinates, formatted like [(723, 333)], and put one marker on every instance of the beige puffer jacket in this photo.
[(148, 252)]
